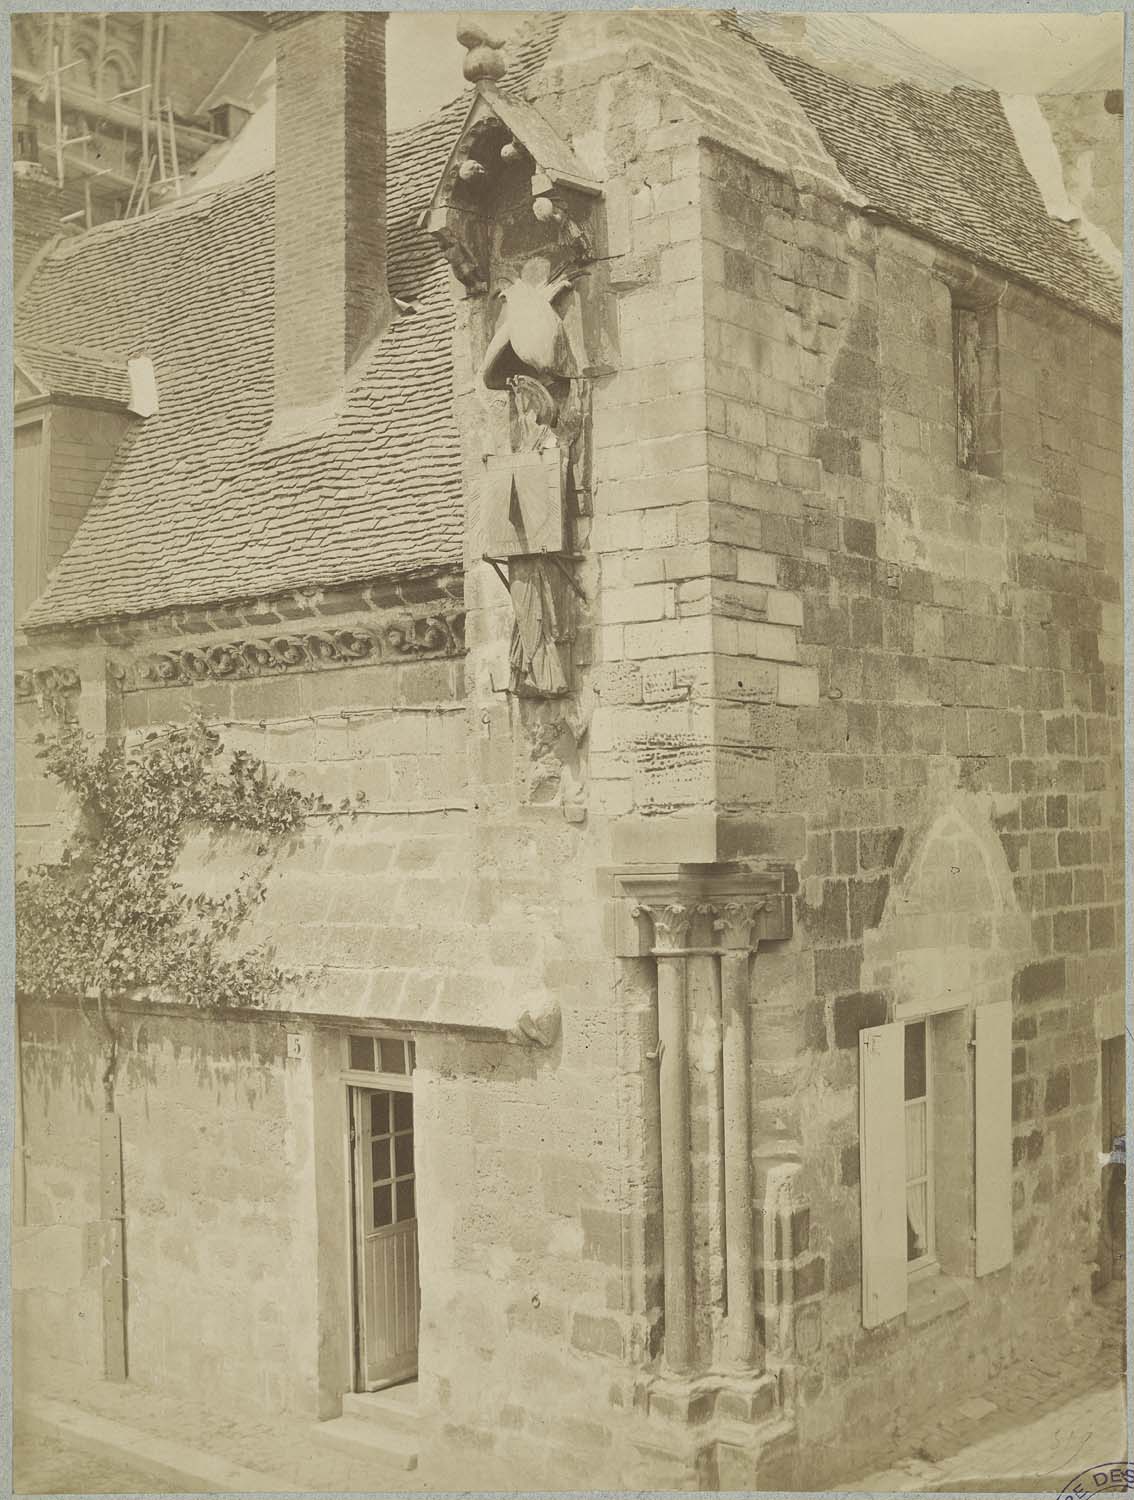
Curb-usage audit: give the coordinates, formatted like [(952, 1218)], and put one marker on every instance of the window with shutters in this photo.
[(935, 1138), (921, 1241)]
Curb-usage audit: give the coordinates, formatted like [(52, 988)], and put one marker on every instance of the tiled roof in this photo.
[(79, 373), (948, 166), (196, 512), (852, 43), (193, 511)]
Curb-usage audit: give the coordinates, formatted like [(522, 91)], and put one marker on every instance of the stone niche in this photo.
[(515, 214)]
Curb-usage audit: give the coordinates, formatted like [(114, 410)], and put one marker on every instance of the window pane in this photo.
[(917, 1238), (380, 1114), (411, 1055), (392, 1055), (405, 1200), (403, 1111), (382, 1206), (915, 1061), (380, 1159), (362, 1053), (403, 1155), (916, 1162)]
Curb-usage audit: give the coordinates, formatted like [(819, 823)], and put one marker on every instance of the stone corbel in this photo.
[(970, 285)]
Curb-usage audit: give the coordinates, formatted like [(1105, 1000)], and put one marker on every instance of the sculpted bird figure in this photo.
[(531, 326)]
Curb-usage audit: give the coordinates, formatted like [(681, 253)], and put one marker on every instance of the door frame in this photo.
[(358, 1082)]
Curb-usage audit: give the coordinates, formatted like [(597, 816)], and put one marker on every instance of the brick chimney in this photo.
[(330, 206)]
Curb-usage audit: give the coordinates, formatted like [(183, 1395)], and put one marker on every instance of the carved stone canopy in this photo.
[(502, 141)]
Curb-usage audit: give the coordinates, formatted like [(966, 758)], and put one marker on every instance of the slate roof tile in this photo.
[(82, 374), (945, 163)]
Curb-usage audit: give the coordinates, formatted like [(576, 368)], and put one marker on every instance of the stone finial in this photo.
[(484, 63)]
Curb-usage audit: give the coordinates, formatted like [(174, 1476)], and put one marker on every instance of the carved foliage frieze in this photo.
[(399, 641), (52, 688)]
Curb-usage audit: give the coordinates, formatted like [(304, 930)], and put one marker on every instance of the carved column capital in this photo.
[(732, 922), (671, 921)]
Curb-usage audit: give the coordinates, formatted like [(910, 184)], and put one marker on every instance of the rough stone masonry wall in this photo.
[(216, 1181), (965, 631), (526, 1156), (548, 1215), (219, 1183)]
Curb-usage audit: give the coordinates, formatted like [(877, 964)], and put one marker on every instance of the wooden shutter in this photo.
[(993, 1128), (882, 1134)]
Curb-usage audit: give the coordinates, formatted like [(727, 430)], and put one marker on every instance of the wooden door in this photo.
[(387, 1290)]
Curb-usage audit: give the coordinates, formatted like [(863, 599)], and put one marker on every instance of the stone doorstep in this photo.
[(191, 1470), (394, 1408), (376, 1426), (366, 1440)]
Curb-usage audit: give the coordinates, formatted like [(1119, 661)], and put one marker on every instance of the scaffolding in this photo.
[(158, 170)]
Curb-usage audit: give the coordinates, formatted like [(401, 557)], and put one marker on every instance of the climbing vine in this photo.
[(108, 917)]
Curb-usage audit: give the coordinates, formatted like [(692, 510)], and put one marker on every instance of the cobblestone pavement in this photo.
[(1041, 1422), (1038, 1424), (45, 1466), (281, 1448)]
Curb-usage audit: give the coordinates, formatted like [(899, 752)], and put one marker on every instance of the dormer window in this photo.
[(228, 119)]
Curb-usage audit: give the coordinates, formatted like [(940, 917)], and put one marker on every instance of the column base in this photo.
[(718, 1427), (692, 1400)]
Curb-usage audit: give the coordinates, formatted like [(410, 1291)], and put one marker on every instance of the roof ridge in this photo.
[(819, 49)]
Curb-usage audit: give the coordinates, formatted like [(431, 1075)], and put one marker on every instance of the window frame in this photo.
[(927, 1264), (377, 1078)]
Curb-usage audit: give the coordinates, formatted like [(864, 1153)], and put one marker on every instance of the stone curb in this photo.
[(192, 1470)]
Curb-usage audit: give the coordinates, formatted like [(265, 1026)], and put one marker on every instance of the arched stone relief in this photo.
[(952, 929)]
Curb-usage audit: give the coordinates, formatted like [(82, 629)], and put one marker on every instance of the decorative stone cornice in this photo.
[(654, 910), (405, 639), (426, 591), (49, 686)]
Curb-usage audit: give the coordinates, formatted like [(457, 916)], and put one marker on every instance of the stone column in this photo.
[(734, 925), (671, 927)]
